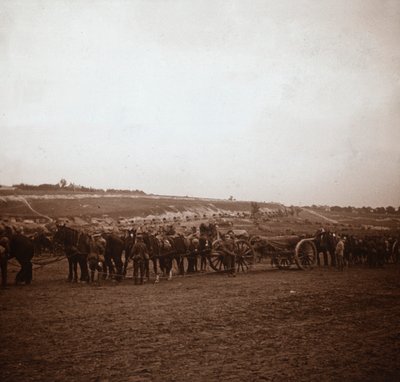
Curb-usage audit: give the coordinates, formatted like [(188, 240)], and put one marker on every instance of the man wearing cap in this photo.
[(339, 252), (139, 255), (228, 248), (193, 251)]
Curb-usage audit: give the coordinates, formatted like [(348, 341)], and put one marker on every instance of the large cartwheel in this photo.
[(245, 256), (305, 254)]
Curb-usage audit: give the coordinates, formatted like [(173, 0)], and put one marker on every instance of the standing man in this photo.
[(139, 255), (339, 252), (228, 249)]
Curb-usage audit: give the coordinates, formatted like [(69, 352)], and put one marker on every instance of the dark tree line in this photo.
[(64, 185), (377, 210)]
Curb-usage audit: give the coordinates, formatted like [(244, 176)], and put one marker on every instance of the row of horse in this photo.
[(109, 254)]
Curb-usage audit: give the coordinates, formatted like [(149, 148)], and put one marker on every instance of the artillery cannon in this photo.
[(285, 251)]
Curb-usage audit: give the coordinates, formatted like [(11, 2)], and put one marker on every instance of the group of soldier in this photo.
[(370, 250), (373, 251), (198, 244)]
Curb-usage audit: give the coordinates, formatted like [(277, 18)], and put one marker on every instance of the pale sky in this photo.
[(289, 101)]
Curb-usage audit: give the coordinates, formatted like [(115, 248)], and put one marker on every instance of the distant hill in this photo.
[(58, 203)]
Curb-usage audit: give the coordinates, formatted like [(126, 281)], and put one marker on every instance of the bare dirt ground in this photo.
[(261, 326)]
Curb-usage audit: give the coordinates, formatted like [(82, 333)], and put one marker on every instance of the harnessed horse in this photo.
[(76, 245), (325, 242), (113, 255)]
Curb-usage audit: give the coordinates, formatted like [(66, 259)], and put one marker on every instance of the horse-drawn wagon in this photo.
[(283, 251)]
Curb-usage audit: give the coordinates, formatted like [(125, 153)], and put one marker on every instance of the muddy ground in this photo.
[(261, 326)]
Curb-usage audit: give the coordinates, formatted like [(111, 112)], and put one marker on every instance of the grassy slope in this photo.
[(115, 206), (80, 205)]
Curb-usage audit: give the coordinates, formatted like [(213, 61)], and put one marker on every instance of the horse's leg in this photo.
[(182, 265), (161, 260), (196, 262), (325, 254), (70, 264), (147, 268), (126, 263), (168, 267), (142, 267), (333, 258), (104, 271), (109, 267), (155, 269), (19, 276), (84, 267), (99, 270), (118, 266), (154, 260), (28, 272), (3, 265), (190, 262), (75, 264), (203, 261), (135, 270)]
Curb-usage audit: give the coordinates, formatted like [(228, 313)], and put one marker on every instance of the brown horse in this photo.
[(325, 242), (76, 245)]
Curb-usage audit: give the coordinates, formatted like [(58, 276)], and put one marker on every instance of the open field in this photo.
[(263, 325), (266, 324)]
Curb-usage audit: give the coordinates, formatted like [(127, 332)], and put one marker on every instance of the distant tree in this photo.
[(230, 198), (390, 210), (255, 208), (62, 183), (380, 210)]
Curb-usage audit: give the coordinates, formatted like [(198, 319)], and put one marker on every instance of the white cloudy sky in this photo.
[(291, 101)]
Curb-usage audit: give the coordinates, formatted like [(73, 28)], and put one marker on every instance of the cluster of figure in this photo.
[(347, 250), (109, 254)]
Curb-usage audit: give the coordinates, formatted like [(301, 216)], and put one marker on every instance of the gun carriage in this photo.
[(283, 252)]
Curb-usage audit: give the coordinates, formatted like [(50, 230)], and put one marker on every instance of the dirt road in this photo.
[(262, 326)]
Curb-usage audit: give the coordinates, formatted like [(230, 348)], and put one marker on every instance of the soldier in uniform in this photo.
[(228, 249), (96, 259), (339, 252), (193, 252), (139, 255)]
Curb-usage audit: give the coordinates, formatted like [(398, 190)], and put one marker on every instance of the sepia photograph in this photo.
[(197, 191)]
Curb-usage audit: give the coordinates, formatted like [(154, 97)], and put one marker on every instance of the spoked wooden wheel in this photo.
[(245, 256), (305, 254), (216, 256)]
